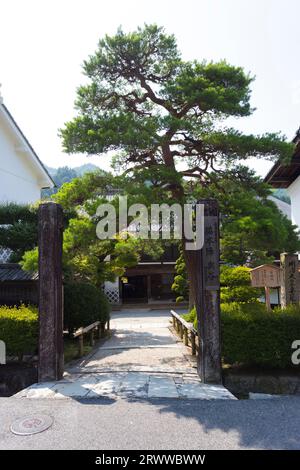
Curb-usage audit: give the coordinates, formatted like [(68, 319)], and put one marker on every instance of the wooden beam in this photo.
[(280, 180), (268, 298), (210, 364), (208, 297), (51, 350)]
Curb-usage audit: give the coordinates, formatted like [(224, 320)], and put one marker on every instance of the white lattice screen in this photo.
[(112, 294), (4, 254)]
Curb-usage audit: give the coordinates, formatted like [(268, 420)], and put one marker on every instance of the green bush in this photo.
[(245, 308), (236, 285), (251, 335), (180, 285), (19, 329), (191, 317), (84, 304), (259, 337)]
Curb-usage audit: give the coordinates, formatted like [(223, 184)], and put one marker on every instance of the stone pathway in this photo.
[(142, 359)]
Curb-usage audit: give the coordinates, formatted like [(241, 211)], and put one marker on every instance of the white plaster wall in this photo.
[(294, 193), (18, 178), (112, 285), (284, 207)]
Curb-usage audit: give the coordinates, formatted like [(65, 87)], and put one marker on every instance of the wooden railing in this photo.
[(186, 331), (97, 327)]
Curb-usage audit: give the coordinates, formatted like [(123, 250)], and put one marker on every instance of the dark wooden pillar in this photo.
[(290, 279), (149, 288), (208, 297), (51, 360)]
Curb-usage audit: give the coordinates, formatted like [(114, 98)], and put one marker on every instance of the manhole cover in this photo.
[(31, 425)]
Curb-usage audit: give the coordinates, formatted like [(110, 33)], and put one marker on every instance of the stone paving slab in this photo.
[(162, 387), (105, 386), (118, 385), (192, 391), (264, 396), (135, 385), (42, 390), (77, 388)]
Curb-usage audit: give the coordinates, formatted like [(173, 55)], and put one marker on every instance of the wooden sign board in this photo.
[(266, 275)]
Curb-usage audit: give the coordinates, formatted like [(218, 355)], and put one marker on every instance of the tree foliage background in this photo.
[(86, 257), (165, 117)]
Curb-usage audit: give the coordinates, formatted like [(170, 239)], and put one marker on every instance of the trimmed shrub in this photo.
[(84, 304), (253, 336), (258, 337), (180, 285), (236, 285), (19, 329)]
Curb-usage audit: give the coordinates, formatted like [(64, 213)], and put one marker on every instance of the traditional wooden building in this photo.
[(17, 286), (22, 174), (287, 176), (149, 282)]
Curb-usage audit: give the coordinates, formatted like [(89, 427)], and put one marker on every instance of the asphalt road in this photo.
[(156, 424)]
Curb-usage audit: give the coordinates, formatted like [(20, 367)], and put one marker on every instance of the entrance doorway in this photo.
[(134, 289)]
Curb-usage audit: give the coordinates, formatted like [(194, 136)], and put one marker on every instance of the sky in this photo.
[(43, 44)]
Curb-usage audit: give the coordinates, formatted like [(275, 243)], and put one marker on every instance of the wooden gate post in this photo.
[(208, 298), (290, 279), (51, 351)]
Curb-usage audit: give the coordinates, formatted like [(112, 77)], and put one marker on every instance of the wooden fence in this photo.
[(97, 328), (186, 331)]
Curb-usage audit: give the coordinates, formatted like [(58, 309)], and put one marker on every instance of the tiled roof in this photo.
[(14, 272), (283, 175)]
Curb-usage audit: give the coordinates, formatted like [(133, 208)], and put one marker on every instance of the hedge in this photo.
[(84, 304), (19, 329), (253, 336)]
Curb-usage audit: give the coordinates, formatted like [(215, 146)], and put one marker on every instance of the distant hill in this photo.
[(50, 170), (86, 168), (80, 170), (65, 174)]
